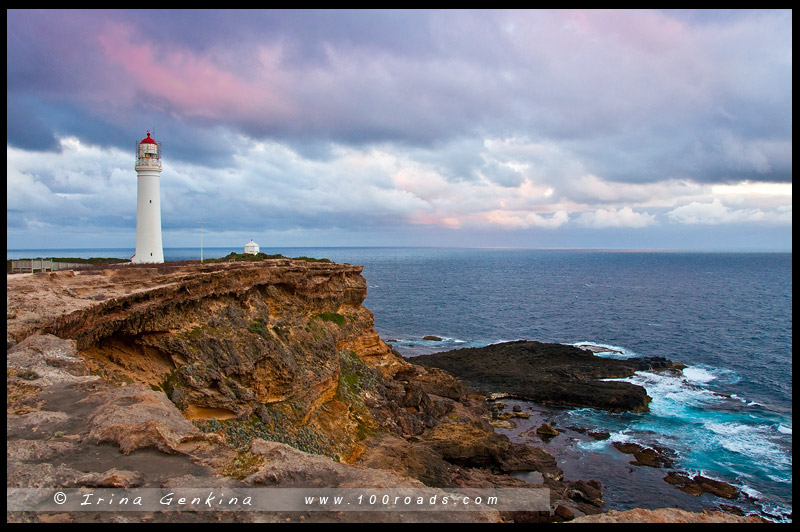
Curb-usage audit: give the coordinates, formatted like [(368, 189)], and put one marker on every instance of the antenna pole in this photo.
[(201, 238)]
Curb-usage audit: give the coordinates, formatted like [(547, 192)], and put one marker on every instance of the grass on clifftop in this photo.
[(233, 256)]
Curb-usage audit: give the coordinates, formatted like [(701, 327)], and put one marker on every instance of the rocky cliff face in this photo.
[(277, 344), (239, 374)]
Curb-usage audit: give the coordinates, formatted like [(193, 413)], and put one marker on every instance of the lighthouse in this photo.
[(148, 202)]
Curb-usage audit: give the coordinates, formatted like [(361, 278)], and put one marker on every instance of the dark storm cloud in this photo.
[(25, 129), (417, 79)]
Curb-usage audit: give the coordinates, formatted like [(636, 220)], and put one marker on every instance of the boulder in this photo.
[(564, 513), (546, 431), (136, 417), (656, 456), (521, 457), (700, 484), (466, 444)]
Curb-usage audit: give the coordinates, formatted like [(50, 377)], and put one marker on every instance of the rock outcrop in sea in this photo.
[(551, 374)]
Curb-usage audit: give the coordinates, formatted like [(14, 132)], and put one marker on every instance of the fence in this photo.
[(43, 265)]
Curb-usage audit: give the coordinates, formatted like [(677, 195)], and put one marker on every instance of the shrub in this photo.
[(336, 318)]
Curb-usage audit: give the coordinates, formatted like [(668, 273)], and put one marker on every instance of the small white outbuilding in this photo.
[(251, 248)]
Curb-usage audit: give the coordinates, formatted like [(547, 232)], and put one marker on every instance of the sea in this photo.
[(726, 316)]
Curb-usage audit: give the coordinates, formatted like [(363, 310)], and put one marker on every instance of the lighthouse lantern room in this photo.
[(148, 202)]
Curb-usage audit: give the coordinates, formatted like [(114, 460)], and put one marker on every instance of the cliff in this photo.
[(240, 374), (217, 367)]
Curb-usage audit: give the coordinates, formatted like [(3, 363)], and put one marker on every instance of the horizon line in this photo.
[(616, 250)]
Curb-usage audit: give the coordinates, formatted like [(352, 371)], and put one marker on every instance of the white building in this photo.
[(251, 248), (148, 202)]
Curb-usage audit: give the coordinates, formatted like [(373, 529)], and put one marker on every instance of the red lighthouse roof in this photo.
[(148, 140)]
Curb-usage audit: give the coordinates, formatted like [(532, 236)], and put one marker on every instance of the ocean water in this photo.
[(727, 316)]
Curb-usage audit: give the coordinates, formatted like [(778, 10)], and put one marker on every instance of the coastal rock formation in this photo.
[(656, 456), (225, 341), (546, 431), (699, 484), (239, 374), (551, 374), (666, 515)]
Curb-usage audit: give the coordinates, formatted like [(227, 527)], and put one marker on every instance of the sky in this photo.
[(531, 129)]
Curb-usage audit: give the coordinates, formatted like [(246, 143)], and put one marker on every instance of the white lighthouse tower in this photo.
[(148, 202)]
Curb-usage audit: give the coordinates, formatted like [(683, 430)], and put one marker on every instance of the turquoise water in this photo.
[(728, 316)]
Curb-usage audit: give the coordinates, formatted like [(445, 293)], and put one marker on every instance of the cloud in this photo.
[(635, 95), (525, 220), (757, 194), (191, 84), (625, 217), (25, 129), (72, 186), (404, 120), (717, 212)]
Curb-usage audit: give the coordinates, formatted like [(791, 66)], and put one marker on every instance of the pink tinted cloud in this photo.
[(648, 31), (420, 217), (190, 83)]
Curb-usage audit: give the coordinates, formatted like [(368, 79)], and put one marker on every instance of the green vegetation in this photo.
[(233, 256), (245, 464), (338, 319), (355, 377), (281, 331), (259, 327), (311, 259), (28, 374), (168, 384), (274, 425)]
